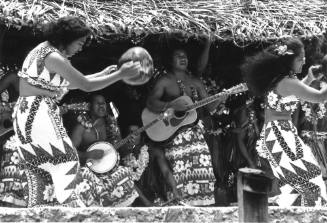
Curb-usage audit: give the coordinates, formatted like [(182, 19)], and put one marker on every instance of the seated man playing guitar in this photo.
[(187, 152), (115, 187)]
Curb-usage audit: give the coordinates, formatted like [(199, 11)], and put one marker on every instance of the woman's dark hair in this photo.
[(265, 69), (65, 30)]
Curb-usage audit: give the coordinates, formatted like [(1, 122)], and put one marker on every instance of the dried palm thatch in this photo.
[(238, 20)]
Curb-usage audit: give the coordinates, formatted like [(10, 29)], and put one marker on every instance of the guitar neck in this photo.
[(137, 132), (234, 90), (206, 101)]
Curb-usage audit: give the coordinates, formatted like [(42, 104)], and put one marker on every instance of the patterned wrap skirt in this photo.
[(190, 159), (13, 181), (50, 160), (112, 189), (293, 164)]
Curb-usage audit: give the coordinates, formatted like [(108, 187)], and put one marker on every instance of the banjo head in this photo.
[(142, 55), (109, 160)]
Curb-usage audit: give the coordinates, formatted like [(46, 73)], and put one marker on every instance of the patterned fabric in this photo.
[(190, 159), (275, 102), (35, 72), (314, 132), (50, 160), (137, 161), (292, 161), (13, 181), (114, 188)]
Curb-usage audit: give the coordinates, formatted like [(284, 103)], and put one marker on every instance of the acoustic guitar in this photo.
[(110, 159), (167, 127)]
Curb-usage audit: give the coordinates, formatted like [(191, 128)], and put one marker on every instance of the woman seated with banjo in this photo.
[(102, 181), (101, 189)]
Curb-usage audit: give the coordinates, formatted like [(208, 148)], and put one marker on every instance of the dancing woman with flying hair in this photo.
[(51, 161), (272, 73)]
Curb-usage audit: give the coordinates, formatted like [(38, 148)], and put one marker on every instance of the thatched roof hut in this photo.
[(239, 26), (239, 20)]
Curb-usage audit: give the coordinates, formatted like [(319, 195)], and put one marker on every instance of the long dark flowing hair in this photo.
[(265, 69)]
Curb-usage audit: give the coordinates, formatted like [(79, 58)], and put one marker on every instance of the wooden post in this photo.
[(252, 193)]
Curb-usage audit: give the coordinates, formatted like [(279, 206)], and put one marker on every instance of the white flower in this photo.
[(282, 50), (15, 158), (179, 167), (204, 160), (306, 109), (82, 187), (187, 136), (200, 123), (211, 186), (2, 187), (48, 193), (137, 165), (17, 186), (287, 108), (216, 132), (322, 111), (118, 192), (188, 164), (192, 188), (178, 139), (11, 144), (272, 99)]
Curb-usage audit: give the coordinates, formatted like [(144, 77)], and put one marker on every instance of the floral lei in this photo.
[(112, 129), (310, 114), (138, 164), (213, 88), (84, 120), (288, 103)]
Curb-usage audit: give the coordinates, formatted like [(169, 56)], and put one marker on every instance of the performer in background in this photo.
[(312, 120), (187, 153), (51, 161), (10, 82), (116, 187), (272, 72), (136, 157)]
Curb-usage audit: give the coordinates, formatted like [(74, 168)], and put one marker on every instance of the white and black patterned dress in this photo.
[(292, 162), (50, 160)]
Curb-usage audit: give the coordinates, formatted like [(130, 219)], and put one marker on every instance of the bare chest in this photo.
[(94, 134), (175, 89)]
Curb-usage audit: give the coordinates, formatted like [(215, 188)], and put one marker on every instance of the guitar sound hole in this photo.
[(180, 114)]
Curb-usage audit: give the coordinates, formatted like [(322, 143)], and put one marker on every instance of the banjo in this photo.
[(110, 159)]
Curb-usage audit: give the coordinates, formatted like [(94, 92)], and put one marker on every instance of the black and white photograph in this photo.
[(163, 111)]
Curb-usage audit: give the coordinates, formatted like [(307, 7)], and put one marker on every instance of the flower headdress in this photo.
[(282, 50)]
